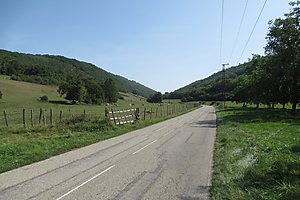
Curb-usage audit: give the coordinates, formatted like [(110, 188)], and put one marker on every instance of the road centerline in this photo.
[(143, 147), (82, 184)]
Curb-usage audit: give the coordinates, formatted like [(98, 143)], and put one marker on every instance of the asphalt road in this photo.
[(169, 160)]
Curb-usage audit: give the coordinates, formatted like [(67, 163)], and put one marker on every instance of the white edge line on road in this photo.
[(85, 183), (143, 147)]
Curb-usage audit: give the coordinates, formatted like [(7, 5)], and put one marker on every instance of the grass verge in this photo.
[(19, 147), (257, 154)]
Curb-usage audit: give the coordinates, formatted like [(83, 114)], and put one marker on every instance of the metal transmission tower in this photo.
[(224, 81)]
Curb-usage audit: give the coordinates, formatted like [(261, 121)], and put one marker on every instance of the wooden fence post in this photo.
[(167, 110), (113, 115), (44, 118), (40, 118), (151, 113), (156, 113), (31, 117), (144, 113), (5, 118), (60, 116), (117, 114), (106, 114), (84, 113), (24, 118), (137, 114), (51, 117)]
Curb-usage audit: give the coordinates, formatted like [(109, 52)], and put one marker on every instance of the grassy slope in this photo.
[(21, 146), (18, 95), (257, 154)]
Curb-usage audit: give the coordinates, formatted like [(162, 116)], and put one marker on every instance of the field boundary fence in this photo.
[(30, 118)]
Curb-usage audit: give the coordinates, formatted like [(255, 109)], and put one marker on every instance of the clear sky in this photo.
[(163, 44)]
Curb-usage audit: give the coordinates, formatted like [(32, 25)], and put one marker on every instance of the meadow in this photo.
[(257, 154), (21, 145), (22, 95)]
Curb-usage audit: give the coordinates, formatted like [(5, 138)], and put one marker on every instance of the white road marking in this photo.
[(85, 183), (143, 147)]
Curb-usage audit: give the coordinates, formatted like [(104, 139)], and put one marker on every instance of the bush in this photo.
[(44, 98)]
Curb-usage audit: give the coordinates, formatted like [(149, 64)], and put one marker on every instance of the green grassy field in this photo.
[(257, 154), (22, 95), (20, 146)]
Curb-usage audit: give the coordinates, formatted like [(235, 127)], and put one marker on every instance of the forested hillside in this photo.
[(53, 70), (211, 88)]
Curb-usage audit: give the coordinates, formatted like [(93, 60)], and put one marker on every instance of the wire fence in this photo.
[(51, 117)]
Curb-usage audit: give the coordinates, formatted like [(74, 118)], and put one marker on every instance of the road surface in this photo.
[(168, 160)]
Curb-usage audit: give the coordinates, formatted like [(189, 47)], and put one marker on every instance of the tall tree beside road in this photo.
[(283, 41)]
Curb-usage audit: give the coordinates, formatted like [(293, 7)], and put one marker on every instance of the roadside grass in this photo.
[(257, 154), (23, 146)]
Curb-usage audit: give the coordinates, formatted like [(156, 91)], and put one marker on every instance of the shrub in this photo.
[(44, 98)]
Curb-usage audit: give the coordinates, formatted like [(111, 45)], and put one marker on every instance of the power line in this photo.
[(239, 30), (221, 41), (252, 31)]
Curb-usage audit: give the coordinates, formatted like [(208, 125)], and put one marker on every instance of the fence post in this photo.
[(24, 118), (44, 118), (151, 113), (60, 116), (117, 114), (84, 113), (106, 114), (5, 118), (113, 115), (51, 117), (167, 110), (144, 113), (40, 118), (156, 112), (137, 114), (31, 117)]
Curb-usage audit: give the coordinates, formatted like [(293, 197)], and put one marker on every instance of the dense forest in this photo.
[(55, 70), (270, 79)]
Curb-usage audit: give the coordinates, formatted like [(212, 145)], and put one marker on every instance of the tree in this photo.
[(156, 98), (76, 93), (44, 98), (283, 41), (74, 90), (95, 93), (110, 91)]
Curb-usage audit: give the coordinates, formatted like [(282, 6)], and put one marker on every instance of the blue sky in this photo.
[(163, 44)]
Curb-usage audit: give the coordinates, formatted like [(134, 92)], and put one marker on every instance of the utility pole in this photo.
[(223, 79)]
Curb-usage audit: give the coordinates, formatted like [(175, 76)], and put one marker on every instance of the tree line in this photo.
[(89, 90), (274, 78), (270, 79)]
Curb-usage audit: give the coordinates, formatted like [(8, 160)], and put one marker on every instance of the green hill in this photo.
[(210, 88), (51, 70)]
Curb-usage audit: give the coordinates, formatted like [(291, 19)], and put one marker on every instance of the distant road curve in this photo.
[(168, 160)]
